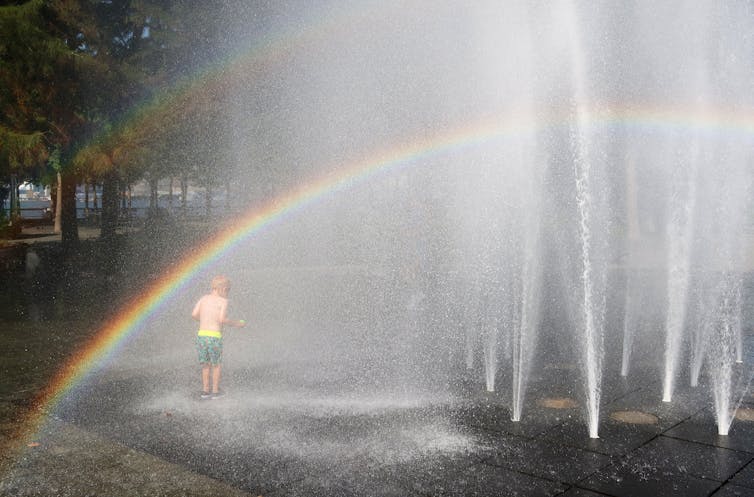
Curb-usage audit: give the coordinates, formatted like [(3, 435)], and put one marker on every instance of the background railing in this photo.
[(134, 214)]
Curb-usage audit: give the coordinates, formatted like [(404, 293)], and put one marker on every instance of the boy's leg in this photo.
[(202, 347), (205, 377), (216, 378)]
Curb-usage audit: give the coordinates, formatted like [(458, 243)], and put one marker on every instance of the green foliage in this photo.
[(94, 88), (40, 97), (54, 160), (21, 152)]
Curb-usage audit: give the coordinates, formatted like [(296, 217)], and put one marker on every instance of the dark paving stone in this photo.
[(470, 448), (323, 487), (614, 438), (731, 490), (702, 428), (648, 400), (481, 480), (580, 492), (542, 458), (745, 477), (414, 475), (259, 475), (616, 387), (365, 477), (496, 417), (376, 483), (675, 456), (667, 466), (644, 480)]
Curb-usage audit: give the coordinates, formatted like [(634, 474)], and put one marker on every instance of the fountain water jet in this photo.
[(630, 314), (577, 94), (680, 231), (593, 298), (525, 330)]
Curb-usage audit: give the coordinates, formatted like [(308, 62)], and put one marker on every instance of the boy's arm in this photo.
[(196, 311), (237, 324), (230, 322)]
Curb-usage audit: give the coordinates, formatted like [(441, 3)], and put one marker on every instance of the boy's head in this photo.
[(221, 284)]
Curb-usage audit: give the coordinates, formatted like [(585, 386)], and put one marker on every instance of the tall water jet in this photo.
[(679, 236), (527, 278), (723, 345), (701, 331), (525, 331), (630, 313), (727, 194), (523, 116), (490, 344), (484, 283), (738, 328), (591, 306), (630, 317), (495, 330), (695, 152), (521, 164)]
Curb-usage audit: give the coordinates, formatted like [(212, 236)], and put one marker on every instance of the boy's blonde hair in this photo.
[(219, 282)]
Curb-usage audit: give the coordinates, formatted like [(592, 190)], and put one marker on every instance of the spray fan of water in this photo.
[(604, 224)]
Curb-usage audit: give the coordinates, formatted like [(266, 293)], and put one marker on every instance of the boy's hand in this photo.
[(241, 323)]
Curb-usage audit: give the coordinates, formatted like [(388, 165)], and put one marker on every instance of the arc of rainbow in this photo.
[(209, 82), (134, 314)]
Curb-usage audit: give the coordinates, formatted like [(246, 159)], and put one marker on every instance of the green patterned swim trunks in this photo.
[(210, 349)]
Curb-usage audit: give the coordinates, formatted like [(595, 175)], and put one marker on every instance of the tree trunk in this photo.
[(184, 194), (170, 196), (69, 223), (59, 206), (4, 195), (208, 200), (15, 202), (109, 218), (152, 197), (94, 196)]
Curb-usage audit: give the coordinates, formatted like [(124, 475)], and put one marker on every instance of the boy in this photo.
[(211, 312)]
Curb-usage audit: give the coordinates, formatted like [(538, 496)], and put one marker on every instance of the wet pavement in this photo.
[(135, 431), (137, 427)]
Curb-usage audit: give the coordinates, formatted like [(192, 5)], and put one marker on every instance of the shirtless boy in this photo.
[(211, 312)]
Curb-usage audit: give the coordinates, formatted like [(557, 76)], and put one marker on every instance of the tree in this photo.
[(44, 96), (70, 70), (155, 46)]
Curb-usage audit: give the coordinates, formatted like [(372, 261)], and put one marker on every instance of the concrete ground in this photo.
[(64, 459), (122, 433), (44, 233), (138, 429)]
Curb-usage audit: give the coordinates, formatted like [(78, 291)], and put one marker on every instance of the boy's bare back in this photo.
[(211, 311)]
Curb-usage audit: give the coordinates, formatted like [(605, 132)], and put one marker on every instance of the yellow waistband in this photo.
[(210, 333)]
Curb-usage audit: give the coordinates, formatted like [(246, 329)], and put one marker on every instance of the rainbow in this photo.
[(129, 318), (206, 85), (274, 47)]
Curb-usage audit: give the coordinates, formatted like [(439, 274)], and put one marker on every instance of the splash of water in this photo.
[(490, 357), (591, 333), (632, 286), (680, 231)]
